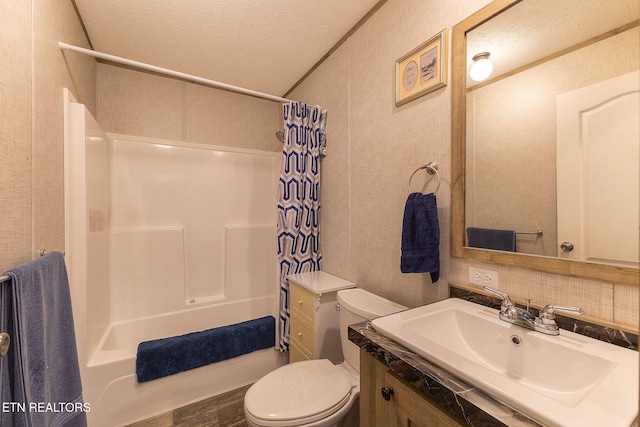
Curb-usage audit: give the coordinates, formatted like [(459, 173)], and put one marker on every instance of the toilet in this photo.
[(317, 393)]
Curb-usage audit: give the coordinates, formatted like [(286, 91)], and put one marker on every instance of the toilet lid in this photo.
[(301, 390)]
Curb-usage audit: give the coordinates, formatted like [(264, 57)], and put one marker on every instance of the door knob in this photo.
[(387, 392), (566, 246)]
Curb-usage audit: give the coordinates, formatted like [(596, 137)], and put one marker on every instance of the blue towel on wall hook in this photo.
[(421, 236)]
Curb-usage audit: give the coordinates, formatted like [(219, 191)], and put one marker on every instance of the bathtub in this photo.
[(114, 394), (147, 260)]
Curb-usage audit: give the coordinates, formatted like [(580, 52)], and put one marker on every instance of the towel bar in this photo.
[(537, 232), (4, 337), (43, 252), (5, 341), (432, 169)]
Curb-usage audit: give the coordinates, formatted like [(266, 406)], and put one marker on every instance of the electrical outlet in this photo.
[(482, 277)]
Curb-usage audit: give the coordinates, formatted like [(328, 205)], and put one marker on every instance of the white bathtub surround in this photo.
[(299, 200), (160, 244)]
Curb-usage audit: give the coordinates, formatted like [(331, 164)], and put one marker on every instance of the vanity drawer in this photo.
[(303, 302), (302, 334), (297, 355)]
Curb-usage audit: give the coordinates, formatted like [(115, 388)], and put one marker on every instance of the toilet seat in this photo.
[(307, 391)]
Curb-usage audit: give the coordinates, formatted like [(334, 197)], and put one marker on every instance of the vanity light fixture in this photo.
[(481, 68)]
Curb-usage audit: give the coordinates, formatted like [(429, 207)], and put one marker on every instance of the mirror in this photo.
[(507, 166)]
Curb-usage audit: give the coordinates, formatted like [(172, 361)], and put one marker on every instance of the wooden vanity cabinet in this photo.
[(404, 407)]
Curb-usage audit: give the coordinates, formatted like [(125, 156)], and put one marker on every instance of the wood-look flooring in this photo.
[(225, 410)]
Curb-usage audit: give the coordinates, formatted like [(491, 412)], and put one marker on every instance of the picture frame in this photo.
[(422, 70)]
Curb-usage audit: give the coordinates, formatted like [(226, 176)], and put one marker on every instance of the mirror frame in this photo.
[(581, 269)]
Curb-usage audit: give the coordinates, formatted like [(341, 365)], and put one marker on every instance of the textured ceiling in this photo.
[(268, 45), (264, 45), (534, 29)]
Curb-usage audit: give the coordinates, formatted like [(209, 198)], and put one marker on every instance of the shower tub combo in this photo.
[(163, 239)]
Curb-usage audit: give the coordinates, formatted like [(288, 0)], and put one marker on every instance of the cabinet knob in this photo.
[(300, 302), (387, 392)]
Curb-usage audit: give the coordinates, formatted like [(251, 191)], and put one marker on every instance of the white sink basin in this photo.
[(565, 380)]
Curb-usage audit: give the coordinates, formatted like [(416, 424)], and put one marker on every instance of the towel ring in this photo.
[(432, 169)]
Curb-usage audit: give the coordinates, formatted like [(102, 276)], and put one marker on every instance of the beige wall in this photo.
[(33, 72), (145, 104), (373, 147)]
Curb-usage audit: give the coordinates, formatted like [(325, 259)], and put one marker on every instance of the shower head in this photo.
[(280, 136)]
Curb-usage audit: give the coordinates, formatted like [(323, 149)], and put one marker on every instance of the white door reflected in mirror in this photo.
[(598, 136)]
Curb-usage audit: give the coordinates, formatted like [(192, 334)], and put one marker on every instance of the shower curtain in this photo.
[(298, 200)]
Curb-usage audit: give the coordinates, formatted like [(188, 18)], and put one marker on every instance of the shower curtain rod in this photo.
[(173, 73)]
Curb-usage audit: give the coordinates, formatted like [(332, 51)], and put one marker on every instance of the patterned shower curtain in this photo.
[(298, 200)]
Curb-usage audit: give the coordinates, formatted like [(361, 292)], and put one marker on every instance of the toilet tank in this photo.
[(358, 305)]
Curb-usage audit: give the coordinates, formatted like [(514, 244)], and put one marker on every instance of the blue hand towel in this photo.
[(421, 236), (487, 238), (40, 374)]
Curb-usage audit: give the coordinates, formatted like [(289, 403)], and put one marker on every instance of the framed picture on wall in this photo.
[(422, 70)]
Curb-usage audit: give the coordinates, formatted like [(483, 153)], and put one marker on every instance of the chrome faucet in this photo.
[(509, 312), (546, 320), (544, 323)]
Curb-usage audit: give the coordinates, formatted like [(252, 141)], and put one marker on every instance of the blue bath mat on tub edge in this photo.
[(167, 356)]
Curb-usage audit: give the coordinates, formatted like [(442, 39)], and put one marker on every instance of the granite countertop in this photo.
[(462, 400), (467, 403)]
